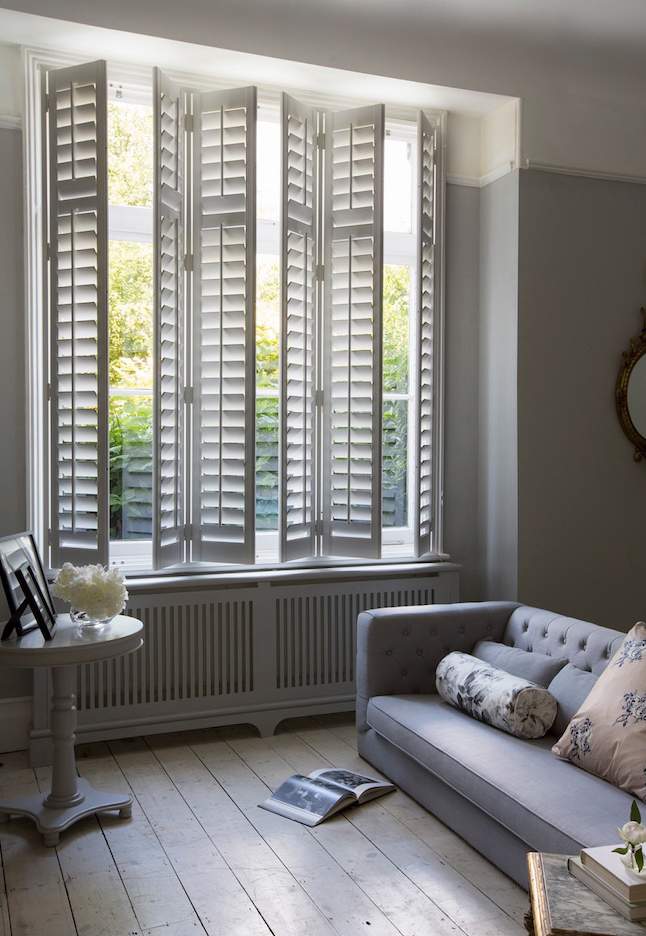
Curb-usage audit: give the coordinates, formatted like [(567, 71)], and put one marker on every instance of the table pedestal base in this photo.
[(52, 821)]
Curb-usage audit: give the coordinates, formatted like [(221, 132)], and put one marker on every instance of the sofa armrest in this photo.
[(398, 649)]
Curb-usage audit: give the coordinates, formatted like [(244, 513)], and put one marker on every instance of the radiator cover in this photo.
[(227, 652)]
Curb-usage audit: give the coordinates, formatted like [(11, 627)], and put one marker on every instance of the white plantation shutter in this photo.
[(426, 303), (298, 299), (78, 320), (168, 512), (224, 245), (353, 277)]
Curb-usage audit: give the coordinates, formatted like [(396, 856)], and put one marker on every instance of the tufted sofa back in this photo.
[(587, 646)]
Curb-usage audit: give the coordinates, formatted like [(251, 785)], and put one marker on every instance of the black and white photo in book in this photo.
[(323, 793)]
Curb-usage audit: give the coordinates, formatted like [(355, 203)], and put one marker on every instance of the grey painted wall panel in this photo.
[(461, 385), (12, 367), (582, 279), (497, 465), (12, 343)]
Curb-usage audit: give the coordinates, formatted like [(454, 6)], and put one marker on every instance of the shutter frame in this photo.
[(224, 542), (80, 197), (299, 224), (169, 547), (428, 301), (352, 537)]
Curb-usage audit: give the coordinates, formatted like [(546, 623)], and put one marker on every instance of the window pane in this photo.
[(395, 463), (131, 314), (398, 186), (267, 463), (396, 328), (131, 452), (267, 322), (130, 154)]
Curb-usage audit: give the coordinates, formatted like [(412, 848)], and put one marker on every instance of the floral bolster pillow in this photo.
[(607, 735), (491, 695)]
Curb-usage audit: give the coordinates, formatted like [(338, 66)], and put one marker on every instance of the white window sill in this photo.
[(190, 578)]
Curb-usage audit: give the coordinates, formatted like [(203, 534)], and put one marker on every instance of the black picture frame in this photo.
[(25, 586)]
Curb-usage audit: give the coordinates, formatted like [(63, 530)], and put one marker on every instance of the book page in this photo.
[(358, 785), (308, 795)]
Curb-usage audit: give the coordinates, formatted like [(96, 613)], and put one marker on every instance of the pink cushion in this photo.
[(607, 736)]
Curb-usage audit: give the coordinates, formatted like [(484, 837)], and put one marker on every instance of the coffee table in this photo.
[(560, 905), (71, 797)]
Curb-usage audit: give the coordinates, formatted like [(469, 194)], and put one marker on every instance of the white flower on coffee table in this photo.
[(633, 834), (101, 593)]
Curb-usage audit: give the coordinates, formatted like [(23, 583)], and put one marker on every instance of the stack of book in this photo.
[(602, 871)]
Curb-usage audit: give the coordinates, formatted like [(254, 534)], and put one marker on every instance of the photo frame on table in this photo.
[(25, 586)]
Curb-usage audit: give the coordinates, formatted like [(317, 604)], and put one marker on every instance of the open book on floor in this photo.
[(323, 793)]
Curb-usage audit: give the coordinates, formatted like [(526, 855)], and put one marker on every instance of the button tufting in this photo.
[(406, 632), (389, 653), (404, 672), (419, 651)]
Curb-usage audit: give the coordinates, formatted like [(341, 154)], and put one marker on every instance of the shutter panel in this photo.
[(353, 277), (169, 517), (223, 322), (78, 293), (426, 288), (298, 298)]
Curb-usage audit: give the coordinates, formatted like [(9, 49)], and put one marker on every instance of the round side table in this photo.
[(71, 797)]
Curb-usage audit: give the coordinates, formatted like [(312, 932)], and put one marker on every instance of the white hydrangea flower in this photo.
[(100, 592)]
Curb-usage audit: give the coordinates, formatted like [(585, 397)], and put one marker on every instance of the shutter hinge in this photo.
[(189, 123), (48, 95), (49, 391), (318, 397), (320, 139), (320, 272), (188, 262), (48, 251), (188, 394), (318, 527), (188, 531)]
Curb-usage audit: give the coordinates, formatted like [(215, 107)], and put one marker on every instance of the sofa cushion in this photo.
[(570, 688), (494, 696), (536, 667), (549, 804), (607, 735)]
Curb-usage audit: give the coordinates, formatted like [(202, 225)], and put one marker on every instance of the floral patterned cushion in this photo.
[(491, 695), (607, 736)]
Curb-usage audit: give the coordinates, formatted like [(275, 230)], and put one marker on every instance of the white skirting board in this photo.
[(220, 654), (15, 722)]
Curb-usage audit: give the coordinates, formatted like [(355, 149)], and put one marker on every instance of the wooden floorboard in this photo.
[(200, 858)]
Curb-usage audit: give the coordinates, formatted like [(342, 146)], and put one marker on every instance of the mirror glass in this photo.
[(636, 398)]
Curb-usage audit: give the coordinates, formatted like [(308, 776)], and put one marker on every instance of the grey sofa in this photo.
[(504, 795)]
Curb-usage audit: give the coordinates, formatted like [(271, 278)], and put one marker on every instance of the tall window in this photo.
[(263, 299)]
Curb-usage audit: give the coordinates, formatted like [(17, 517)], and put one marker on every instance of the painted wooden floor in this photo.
[(198, 856)]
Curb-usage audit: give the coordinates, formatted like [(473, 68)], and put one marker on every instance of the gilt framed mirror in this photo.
[(630, 392)]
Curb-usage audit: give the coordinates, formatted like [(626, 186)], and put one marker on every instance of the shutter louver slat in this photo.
[(77, 193), (298, 296), (426, 276), (168, 508), (224, 325), (354, 259)]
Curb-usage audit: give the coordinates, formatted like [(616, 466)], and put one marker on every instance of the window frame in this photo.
[(130, 227)]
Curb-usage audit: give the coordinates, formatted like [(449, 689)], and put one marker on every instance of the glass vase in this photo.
[(85, 622)]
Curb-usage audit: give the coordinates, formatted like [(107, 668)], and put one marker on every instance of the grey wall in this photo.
[(582, 517), (461, 410), (12, 338), (12, 367), (497, 413)]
